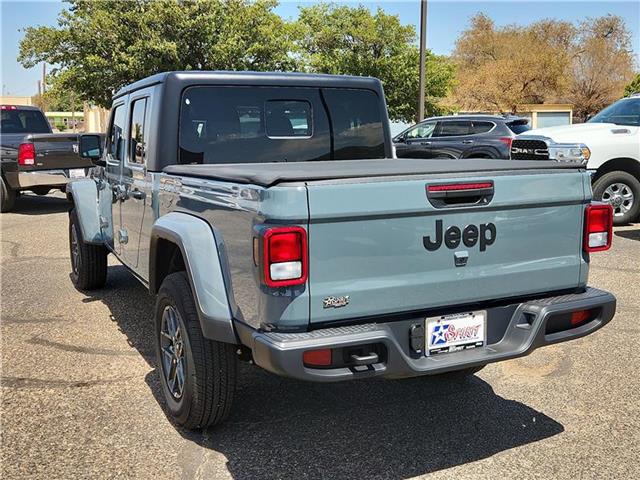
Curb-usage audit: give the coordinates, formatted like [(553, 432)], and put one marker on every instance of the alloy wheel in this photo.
[(620, 196), (172, 348)]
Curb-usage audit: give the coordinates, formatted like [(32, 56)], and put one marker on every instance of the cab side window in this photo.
[(115, 140), (138, 129)]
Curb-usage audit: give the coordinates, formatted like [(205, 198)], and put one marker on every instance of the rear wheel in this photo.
[(7, 197), (88, 262), (622, 191), (198, 375)]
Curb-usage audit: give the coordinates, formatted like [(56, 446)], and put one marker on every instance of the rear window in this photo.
[(23, 121), (518, 127), (262, 124)]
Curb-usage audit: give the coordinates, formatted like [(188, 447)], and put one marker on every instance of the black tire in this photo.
[(209, 367), (41, 190), (89, 264), (603, 187), (8, 197)]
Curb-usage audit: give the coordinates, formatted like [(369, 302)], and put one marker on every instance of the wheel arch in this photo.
[(622, 164), (183, 242)]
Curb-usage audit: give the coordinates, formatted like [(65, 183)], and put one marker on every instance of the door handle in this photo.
[(467, 141), (138, 194), (425, 143), (119, 193)]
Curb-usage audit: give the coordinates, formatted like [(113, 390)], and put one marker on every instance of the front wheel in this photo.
[(198, 375), (622, 191), (88, 262)]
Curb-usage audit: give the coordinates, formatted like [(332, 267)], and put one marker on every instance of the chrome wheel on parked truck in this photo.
[(198, 375), (622, 191)]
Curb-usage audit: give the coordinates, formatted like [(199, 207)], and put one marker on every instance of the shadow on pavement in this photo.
[(629, 234), (283, 428), (31, 204)]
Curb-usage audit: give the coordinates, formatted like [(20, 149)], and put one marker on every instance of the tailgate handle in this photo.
[(460, 194), (364, 359)]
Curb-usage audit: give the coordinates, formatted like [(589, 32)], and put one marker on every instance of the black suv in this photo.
[(460, 136)]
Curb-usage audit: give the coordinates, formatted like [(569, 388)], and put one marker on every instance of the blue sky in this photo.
[(446, 19)]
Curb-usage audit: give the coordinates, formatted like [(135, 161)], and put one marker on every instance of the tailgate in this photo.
[(57, 151), (368, 240)]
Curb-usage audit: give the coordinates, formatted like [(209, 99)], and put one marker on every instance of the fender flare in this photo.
[(197, 243), (84, 194)]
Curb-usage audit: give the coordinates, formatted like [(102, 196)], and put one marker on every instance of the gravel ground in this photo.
[(81, 399)]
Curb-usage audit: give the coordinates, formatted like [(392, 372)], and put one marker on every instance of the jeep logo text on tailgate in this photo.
[(484, 234)]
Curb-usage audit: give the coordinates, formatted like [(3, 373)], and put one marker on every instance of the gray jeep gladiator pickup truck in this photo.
[(266, 213), (32, 157)]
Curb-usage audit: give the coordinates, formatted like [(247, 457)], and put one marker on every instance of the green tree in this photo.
[(633, 87), (99, 47), (58, 98), (352, 40)]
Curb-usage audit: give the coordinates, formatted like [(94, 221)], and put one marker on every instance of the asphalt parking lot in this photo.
[(81, 399)]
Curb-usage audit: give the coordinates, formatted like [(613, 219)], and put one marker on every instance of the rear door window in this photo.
[(138, 132), (454, 128)]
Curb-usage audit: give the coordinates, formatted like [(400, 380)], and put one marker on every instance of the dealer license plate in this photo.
[(76, 173), (453, 333)]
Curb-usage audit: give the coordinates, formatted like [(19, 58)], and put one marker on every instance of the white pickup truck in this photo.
[(608, 144)]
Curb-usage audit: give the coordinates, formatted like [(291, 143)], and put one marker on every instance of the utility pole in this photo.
[(44, 77), (423, 53)]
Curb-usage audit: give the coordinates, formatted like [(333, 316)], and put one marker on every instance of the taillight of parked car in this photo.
[(598, 227), (26, 154), (284, 256), (507, 141)]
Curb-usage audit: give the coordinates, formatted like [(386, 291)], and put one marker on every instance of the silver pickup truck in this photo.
[(266, 213)]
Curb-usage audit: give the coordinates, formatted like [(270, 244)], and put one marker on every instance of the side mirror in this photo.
[(90, 146), (399, 139)]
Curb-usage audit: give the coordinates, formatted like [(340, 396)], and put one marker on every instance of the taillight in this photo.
[(26, 154), (285, 256), (507, 141), (598, 227)]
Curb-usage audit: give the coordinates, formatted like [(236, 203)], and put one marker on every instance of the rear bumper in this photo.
[(43, 178), (513, 331)]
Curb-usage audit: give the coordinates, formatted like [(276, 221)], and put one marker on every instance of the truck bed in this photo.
[(269, 174)]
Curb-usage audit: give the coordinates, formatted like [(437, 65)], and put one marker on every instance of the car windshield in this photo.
[(23, 121), (623, 112)]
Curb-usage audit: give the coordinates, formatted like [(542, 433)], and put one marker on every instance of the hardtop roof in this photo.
[(256, 78)]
